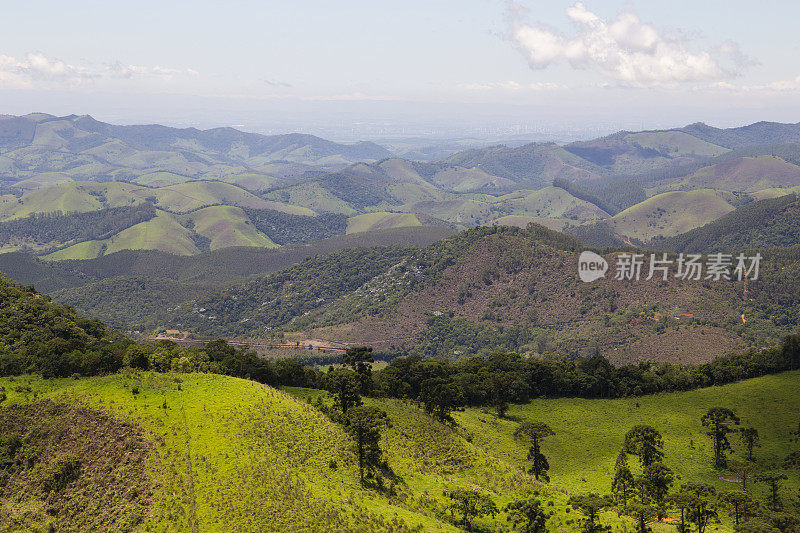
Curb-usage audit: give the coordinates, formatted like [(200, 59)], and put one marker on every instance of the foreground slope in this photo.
[(235, 455)]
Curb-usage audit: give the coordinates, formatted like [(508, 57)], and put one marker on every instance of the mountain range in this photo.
[(219, 188)]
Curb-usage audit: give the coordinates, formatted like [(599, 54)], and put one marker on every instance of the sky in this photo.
[(375, 69)]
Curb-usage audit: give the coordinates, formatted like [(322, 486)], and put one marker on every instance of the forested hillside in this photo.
[(35, 333), (507, 289)]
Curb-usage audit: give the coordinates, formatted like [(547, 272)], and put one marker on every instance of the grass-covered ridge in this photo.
[(236, 455), (765, 223), (221, 439)]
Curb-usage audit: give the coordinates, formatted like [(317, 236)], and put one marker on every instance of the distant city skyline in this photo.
[(357, 69)]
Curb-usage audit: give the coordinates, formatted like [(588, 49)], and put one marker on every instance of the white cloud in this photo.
[(624, 49), (39, 71), (37, 67)]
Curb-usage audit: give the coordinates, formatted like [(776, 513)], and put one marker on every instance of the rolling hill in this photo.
[(749, 174), (765, 223), (77, 164), (670, 213), (203, 465), (130, 448)]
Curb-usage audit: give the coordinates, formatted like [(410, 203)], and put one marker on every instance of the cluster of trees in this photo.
[(612, 197), (506, 377), (37, 335), (647, 496), (285, 228), (59, 227), (272, 301), (358, 191), (363, 423)]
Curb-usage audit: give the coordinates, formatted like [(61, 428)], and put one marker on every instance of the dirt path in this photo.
[(190, 474)]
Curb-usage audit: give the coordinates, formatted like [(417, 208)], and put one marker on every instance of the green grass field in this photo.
[(381, 220), (220, 439), (227, 226), (675, 143), (670, 213)]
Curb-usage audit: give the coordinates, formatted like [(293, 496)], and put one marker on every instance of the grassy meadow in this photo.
[(232, 454)]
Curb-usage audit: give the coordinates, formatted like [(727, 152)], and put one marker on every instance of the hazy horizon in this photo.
[(360, 70)]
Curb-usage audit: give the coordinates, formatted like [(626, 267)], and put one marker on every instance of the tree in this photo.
[(702, 504), (470, 504), (790, 351), (500, 389), (360, 359), (743, 469), (645, 442), (658, 479), (534, 433), (684, 501), (739, 503), (527, 516), (591, 505), (718, 420), (643, 514), (345, 386), (750, 440), (440, 396), (773, 479), (624, 484), (364, 424)]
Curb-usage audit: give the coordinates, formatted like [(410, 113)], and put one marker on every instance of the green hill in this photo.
[(373, 221), (226, 226), (748, 174), (670, 213), (766, 223), (220, 439)]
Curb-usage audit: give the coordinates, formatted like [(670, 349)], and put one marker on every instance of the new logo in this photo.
[(591, 266)]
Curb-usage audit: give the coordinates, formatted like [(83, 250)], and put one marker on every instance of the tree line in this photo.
[(59, 227)]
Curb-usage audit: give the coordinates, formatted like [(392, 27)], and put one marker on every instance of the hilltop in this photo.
[(765, 223)]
